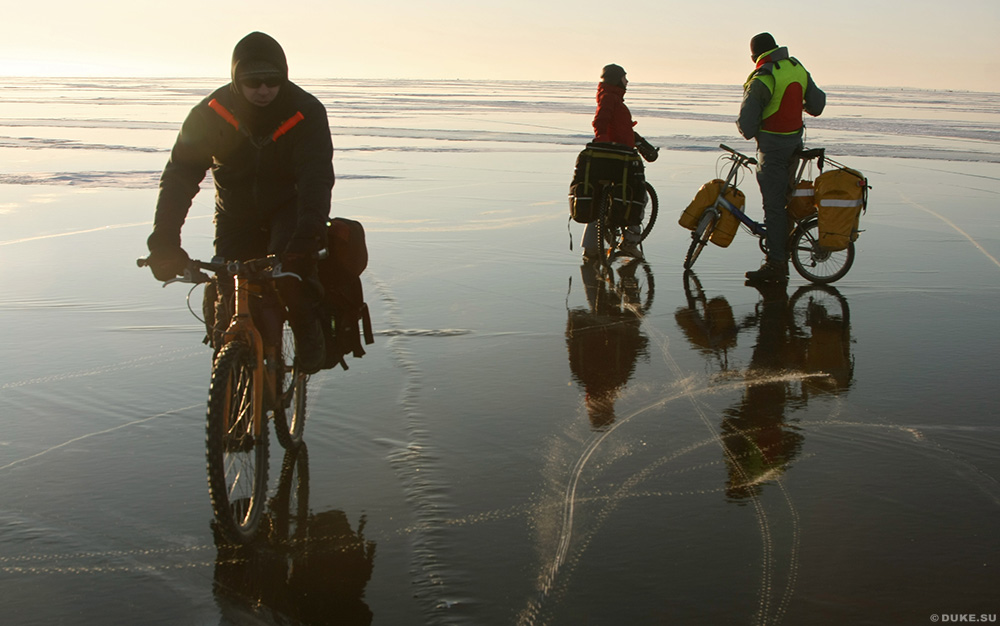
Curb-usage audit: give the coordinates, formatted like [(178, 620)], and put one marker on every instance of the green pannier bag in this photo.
[(600, 164)]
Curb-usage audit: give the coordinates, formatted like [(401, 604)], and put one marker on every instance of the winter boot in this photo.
[(310, 346), (769, 272)]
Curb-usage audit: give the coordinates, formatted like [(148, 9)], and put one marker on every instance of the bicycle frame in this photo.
[(738, 160)]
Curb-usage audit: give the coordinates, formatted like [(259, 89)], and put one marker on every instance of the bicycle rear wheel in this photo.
[(237, 456), (290, 405), (814, 262), (608, 236), (651, 212), (699, 237)]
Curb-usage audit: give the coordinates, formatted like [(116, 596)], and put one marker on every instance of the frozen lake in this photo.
[(507, 452)]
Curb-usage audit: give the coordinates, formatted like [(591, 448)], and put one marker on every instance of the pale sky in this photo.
[(905, 43)]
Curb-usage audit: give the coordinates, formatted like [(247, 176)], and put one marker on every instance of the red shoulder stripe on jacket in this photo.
[(288, 125), (224, 113)]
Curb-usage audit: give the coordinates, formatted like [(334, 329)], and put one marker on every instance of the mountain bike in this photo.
[(812, 261), (254, 377), (611, 229), (610, 194)]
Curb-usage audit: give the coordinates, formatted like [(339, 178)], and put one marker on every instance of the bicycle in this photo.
[(254, 376), (612, 171), (611, 231), (812, 261)]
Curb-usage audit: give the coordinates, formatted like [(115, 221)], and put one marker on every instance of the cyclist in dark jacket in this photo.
[(774, 98), (267, 142)]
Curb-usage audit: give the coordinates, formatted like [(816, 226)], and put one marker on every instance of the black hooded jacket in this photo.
[(264, 160)]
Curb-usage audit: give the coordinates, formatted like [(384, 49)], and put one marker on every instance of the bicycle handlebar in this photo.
[(271, 265), (742, 159)]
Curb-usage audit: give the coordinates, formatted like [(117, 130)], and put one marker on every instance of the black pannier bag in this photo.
[(600, 164), (343, 298)]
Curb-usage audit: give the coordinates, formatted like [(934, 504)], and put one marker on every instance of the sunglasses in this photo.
[(255, 83)]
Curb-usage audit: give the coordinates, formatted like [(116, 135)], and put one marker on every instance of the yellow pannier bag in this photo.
[(802, 202), (840, 198), (702, 200), (728, 224)]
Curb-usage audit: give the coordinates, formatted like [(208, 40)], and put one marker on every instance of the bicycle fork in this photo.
[(242, 327)]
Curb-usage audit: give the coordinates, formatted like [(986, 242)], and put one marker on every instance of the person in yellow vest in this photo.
[(774, 97)]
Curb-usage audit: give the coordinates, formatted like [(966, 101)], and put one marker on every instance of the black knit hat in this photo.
[(612, 74), (760, 44), (258, 69)]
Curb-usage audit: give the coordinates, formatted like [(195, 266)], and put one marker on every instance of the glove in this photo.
[(645, 148), (166, 257)]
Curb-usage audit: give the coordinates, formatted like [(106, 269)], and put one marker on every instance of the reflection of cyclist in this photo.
[(316, 576), (758, 440), (605, 340), (613, 124), (267, 142), (774, 97)]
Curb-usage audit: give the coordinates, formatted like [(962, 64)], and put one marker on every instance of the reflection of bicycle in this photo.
[(311, 568), (822, 318), (254, 376), (808, 332), (630, 294), (812, 261)]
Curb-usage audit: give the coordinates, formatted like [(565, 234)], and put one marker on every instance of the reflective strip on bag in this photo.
[(826, 202)]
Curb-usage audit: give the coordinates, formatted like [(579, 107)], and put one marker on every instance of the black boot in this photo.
[(769, 272), (310, 347)]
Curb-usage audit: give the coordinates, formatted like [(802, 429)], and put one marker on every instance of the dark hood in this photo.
[(261, 47)]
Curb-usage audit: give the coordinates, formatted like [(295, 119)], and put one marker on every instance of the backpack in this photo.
[(841, 195), (601, 163), (343, 298)]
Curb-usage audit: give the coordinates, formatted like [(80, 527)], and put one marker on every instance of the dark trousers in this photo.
[(776, 163), (243, 240)]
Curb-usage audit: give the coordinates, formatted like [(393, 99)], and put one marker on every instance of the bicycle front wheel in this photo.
[(651, 212), (699, 238), (290, 405), (814, 262), (237, 452)]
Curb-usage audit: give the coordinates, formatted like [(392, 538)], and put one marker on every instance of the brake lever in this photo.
[(191, 275), (277, 273)]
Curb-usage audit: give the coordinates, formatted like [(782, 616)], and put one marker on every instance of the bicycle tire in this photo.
[(290, 404), (699, 238), (651, 212), (607, 235), (814, 262), (237, 457)]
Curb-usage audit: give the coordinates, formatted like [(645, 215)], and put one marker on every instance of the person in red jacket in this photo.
[(613, 124), (613, 121)]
